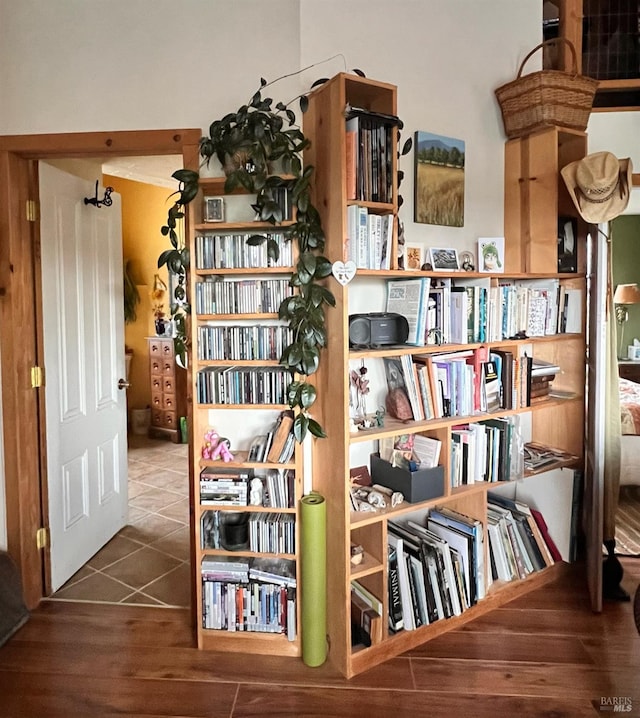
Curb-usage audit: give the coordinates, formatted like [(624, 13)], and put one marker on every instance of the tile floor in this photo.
[(147, 562)]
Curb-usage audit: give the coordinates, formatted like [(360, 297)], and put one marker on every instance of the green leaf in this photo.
[(323, 267), (186, 176), (273, 249), (406, 148), (304, 104), (316, 429), (307, 395), (165, 257), (300, 427), (310, 360), (255, 240), (308, 261)]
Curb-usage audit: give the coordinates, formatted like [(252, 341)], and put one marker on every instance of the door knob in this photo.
[(123, 384)]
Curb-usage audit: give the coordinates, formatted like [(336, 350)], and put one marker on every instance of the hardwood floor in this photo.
[(545, 654)]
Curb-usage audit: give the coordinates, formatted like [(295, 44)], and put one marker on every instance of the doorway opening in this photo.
[(23, 407)]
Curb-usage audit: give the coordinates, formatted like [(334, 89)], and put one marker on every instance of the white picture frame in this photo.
[(444, 259), (633, 352), (491, 255), (213, 210)]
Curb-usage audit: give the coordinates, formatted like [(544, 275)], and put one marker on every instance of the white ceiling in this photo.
[(150, 170)]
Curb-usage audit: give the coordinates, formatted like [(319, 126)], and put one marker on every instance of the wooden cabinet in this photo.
[(239, 390), (168, 389), (534, 199), (629, 370)]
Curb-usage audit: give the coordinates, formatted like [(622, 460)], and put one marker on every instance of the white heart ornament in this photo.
[(344, 272)]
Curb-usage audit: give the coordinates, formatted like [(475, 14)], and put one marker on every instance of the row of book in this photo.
[(486, 451), (278, 444), (233, 251), (240, 296), (244, 602), (241, 342), (369, 155), (436, 568), (272, 533), (369, 238), (221, 486), (467, 381), (242, 385), (464, 311), (519, 543), (260, 532)]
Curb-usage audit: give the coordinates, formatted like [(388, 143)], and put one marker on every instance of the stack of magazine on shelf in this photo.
[(436, 568), (517, 546)]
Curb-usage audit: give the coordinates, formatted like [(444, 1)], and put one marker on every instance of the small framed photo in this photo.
[(491, 254), (444, 260), (213, 209), (413, 256), (633, 352)]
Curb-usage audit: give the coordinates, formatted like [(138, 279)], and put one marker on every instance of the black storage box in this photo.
[(415, 486)]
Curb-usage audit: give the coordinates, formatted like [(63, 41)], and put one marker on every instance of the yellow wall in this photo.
[(144, 211)]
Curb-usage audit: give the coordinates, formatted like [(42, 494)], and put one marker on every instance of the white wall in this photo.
[(446, 58), (83, 65), (616, 132)]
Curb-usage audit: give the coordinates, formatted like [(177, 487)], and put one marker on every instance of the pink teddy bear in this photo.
[(215, 447)]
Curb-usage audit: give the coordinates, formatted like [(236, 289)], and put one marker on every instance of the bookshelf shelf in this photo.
[(247, 554), (213, 227), (247, 281), (241, 462), (368, 566), (248, 509), (531, 216), (243, 271)]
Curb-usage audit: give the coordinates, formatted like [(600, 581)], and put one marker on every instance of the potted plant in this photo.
[(249, 143), (157, 295)]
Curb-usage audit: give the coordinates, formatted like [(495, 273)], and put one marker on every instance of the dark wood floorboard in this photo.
[(545, 654)]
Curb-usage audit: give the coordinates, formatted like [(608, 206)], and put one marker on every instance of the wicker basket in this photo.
[(546, 97)]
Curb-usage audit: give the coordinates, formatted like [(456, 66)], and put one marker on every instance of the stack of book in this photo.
[(542, 375), (517, 546), (220, 486), (278, 444), (436, 568)]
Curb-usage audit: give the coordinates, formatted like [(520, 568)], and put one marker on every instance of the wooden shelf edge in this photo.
[(242, 270), (394, 426), (246, 554), (268, 644)]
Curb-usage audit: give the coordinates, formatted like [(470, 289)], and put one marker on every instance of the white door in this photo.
[(83, 325)]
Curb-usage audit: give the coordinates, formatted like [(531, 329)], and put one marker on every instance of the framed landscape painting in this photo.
[(439, 180)]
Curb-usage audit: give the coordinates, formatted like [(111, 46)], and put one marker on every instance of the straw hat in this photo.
[(599, 185)]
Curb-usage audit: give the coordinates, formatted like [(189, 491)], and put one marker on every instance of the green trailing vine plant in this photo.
[(248, 143)]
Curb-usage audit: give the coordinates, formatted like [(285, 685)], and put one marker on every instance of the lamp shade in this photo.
[(626, 294)]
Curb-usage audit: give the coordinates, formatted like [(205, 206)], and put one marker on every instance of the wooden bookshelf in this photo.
[(534, 198), (217, 415)]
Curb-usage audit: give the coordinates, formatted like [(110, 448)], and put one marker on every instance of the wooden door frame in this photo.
[(20, 314)]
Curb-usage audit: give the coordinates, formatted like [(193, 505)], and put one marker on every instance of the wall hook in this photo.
[(106, 200)]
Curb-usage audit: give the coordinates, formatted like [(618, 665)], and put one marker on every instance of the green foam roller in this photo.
[(313, 584)]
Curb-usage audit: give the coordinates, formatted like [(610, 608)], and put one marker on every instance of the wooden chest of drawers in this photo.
[(168, 389), (629, 370)]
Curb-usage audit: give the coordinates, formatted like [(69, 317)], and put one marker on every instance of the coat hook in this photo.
[(106, 200)]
